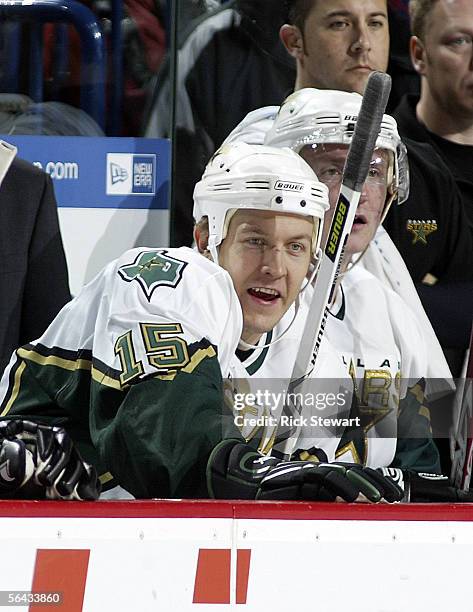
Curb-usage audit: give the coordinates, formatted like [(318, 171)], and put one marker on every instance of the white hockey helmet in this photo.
[(314, 116), (243, 176)]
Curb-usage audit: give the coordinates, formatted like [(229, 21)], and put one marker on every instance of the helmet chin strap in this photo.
[(387, 206), (317, 259), (247, 346), (212, 248)]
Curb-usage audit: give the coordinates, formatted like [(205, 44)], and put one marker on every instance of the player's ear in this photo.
[(201, 236), (292, 39), (417, 51)]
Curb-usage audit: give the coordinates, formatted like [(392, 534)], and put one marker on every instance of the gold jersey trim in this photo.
[(16, 389), (60, 362)]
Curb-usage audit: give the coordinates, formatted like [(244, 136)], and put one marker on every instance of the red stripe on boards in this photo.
[(65, 571)]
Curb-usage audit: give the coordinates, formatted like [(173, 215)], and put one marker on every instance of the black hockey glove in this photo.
[(236, 471), (389, 490), (426, 488), (37, 461)]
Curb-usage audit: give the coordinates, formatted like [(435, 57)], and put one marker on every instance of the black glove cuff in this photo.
[(235, 470), (427, 488)]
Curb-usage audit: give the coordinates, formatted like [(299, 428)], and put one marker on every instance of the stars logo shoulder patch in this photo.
[(420, 229), (152, 269)]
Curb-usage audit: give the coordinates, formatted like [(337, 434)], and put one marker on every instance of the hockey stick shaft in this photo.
[(356, 168)]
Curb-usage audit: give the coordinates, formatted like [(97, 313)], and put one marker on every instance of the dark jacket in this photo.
[(430, 228), (447, 197), (33, 274)]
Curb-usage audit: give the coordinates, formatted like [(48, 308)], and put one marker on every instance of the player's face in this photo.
[(447, 56), (267, 255), (328, 161), (343, 41)]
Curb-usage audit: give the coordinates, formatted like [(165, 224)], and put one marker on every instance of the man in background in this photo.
[(33, 273), (442, 54)]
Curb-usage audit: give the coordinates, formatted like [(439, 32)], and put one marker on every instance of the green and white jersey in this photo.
[(378, 339), (132, 368)]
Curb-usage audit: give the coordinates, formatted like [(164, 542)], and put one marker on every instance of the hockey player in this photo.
[(133, 366), (384, 350)]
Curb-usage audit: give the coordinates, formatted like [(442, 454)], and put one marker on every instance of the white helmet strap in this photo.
[(212, 247)]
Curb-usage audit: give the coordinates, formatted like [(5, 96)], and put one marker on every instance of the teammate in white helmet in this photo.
[(132, 368), (379, 338)]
